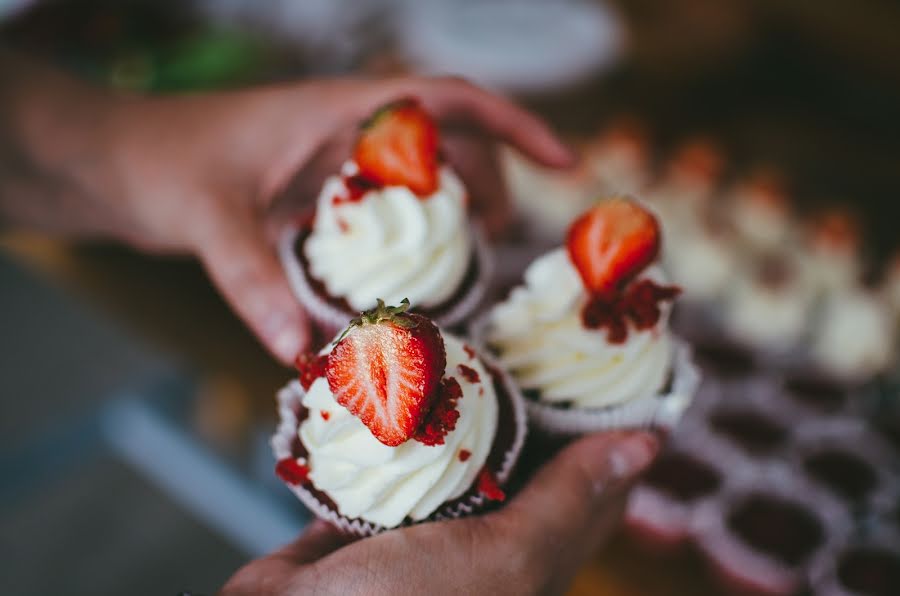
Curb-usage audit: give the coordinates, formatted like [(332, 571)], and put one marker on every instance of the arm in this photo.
[(201, 174)]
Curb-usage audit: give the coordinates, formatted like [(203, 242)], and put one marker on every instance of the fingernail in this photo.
[(632, 454), (286, 345)]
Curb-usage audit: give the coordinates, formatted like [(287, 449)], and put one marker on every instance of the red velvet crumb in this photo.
[(464, 454), (470, 351), (639, 303), (487, 485), (469, 374), (357, 186), (311, 367), (325, 415), (292, 472), (443, 415)]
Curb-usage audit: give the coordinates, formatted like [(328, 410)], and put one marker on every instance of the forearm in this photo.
[(53, 151)]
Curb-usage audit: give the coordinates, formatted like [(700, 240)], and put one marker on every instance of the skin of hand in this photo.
[(215, 175), (534, 544)]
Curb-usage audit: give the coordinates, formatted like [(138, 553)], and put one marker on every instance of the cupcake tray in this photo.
[(782, 482)]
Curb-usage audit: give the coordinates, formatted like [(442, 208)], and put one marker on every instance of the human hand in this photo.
[(533, 545), (211, 174)]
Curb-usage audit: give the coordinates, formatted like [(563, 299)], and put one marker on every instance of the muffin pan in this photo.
[(780, 481)]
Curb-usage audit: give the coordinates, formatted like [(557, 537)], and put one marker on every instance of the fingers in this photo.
[(244, 267), (457, 102), (475, 160), (575, 499)]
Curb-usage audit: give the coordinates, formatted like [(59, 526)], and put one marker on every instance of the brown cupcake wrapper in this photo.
[(290, 399), (331, 319)]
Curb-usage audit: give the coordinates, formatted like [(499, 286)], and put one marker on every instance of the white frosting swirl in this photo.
[(391, 244), (855, 337), (369, 480), (540, 337)]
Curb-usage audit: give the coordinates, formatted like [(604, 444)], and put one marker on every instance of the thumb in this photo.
[(243, 266), (576, 500)]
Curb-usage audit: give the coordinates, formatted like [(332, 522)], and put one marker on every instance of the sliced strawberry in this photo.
[(386, 370), (612, 242), (398, 146), (310, 367)]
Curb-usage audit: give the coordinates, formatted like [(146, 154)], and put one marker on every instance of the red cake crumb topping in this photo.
[(325, 415), (464, 455), (488, 486), (640, 304), (470, 351), (310, 367), (291, 471), (443, 415), (468, 373), (357, 186)]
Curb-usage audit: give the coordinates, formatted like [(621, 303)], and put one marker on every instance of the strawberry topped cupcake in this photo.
[(397, 422), (393, 224), (587, 335)]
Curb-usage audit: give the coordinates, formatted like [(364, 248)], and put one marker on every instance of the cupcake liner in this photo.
[(853, 437), (661, 411), (290, 403), (664, 517), (332, 319), (883, 537), (744, 566)]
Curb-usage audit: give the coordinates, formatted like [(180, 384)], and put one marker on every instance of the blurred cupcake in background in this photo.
[(587, 335), (831, 249), (548, 199), (854, 335), (703, 259), (618, 159), (769, 307), (685, 192), (760, 211)]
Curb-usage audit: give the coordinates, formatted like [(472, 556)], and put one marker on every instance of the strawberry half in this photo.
[(386, 370), (612, 242), (398, 146)]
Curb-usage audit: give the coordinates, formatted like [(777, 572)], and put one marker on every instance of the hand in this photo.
[(533, 545), (209, 174)]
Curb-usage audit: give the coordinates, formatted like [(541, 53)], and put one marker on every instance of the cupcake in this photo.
[(832, 250), (760, 212), (684, 195), (530, 184), (769, 307), (395, 423), (586, 336), (618, 160), (393, 224), (703, 260), (854, 339)]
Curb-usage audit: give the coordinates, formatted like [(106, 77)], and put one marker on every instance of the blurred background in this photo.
[(727, 116)]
